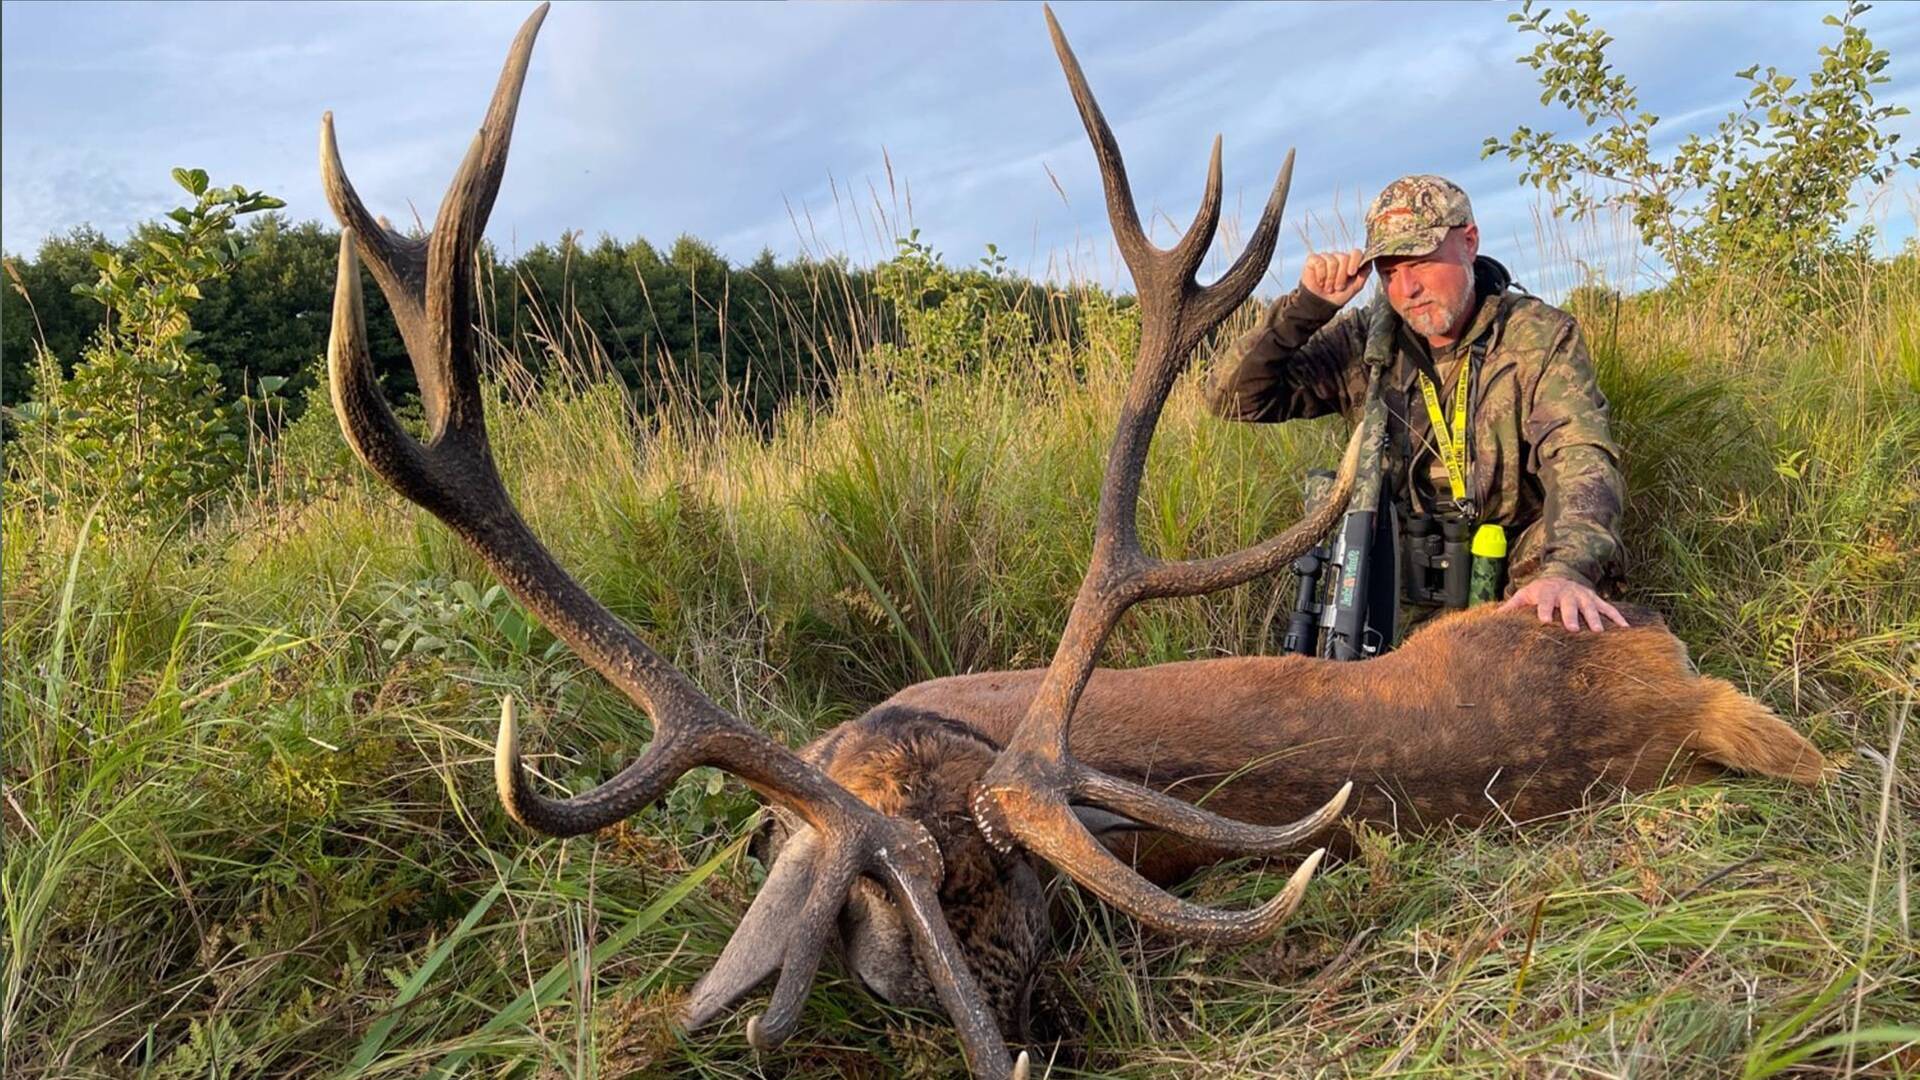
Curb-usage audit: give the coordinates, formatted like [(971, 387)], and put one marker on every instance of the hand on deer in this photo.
[(1569, 600), (1335, 277)]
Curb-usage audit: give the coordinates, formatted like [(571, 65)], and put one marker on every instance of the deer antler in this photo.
[(429, 285), (1026, 795)]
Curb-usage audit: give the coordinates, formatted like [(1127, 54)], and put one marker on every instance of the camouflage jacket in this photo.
[(1542, 458)]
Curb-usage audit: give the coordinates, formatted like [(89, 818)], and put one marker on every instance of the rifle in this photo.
[(1356, 619)]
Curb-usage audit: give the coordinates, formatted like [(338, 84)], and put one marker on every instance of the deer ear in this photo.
[(1105, 824), (757, 947)]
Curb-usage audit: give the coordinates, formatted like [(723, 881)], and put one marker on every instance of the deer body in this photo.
[(1479, 715)]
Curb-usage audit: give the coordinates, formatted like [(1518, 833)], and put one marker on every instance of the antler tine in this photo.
[(833, 878), (1164, 812), (1196, 577), (766, 938), (1050, 830), (1140, 254), (365, 419), (632, 789), (940, 959), (452, 474), (471, 194), (457, 229), (398, 263), (1223, 297), (1191, 251)]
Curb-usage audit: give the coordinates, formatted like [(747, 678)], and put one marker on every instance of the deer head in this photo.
[(840, 844)]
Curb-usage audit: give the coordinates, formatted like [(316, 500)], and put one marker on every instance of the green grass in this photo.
[(250, 827)]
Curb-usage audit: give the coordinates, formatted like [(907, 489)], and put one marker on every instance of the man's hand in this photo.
[(1572, 600), (1335, 277)]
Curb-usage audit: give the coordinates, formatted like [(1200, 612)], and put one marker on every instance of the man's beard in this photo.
[(1431, 318)]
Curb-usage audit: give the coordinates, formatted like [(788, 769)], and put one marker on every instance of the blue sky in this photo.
[(774, 126)]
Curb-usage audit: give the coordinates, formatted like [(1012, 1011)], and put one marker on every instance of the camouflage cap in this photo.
[(1412, 215)]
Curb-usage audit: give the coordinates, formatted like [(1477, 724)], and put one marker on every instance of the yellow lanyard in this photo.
[(1453, 448)]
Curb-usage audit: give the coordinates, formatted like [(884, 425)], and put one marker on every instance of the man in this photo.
[(1529, 447)]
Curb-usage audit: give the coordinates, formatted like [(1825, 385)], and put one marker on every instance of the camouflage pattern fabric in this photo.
[(1543, 461), (1411, 216)]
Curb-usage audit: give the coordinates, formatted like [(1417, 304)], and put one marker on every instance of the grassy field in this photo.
[(250, 827)]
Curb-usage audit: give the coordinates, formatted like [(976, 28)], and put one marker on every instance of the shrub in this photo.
[(140, 426), (1769, 191)]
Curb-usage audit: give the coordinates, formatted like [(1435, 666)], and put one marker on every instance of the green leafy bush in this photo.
[(1768, 191), (141, 425), (950, 320)]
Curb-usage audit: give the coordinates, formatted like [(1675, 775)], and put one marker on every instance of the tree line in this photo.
[(748, 337)]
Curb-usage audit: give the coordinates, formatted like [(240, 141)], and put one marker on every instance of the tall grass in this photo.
[(249, 820)]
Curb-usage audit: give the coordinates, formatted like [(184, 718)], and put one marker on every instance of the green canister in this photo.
[(1489, 565)]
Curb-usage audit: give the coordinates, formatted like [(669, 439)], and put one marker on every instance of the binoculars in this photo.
[(1379, 560), (1436, 560)]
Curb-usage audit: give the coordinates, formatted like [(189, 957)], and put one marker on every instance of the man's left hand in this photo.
[(1572, 601)]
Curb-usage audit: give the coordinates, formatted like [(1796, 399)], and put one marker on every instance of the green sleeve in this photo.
[(1300, 362), (1578, 464)]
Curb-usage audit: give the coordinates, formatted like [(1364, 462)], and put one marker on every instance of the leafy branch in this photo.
[(1770, 189)]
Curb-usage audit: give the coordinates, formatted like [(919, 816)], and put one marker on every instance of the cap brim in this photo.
[(1422, 242)]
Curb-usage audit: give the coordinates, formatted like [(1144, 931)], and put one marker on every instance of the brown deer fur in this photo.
[(1478, 715)]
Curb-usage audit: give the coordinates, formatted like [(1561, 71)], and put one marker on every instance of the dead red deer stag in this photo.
[(926, 814)]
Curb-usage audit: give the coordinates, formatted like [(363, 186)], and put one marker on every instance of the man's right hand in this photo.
[(1335, 277)]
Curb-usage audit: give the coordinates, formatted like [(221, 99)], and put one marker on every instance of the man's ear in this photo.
[(1470, 240)]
